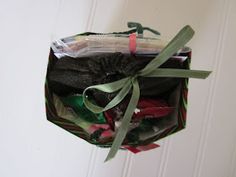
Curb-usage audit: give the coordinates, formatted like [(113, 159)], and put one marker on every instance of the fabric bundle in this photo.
[(118, 99)]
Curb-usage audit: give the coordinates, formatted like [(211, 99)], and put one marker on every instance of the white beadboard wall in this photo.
[(30, 146)]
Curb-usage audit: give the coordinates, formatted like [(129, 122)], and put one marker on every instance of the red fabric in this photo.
[(141, 148), (109, 119), (150, 108), (146, 109)]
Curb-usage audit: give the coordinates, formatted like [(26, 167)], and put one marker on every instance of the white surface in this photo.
[(30, 146)]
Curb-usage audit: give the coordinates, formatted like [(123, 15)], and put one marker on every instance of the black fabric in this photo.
[(73, 75)]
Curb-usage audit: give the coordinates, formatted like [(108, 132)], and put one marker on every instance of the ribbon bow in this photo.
[(125, 85)]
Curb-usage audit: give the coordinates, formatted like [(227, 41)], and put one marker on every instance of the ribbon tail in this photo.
[(122, 130), (179, 73)]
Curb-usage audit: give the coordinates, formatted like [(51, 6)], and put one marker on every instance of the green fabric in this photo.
[(151, 70), (76, 103), (63, 112)]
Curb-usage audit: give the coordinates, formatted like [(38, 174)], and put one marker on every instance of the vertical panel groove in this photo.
[(163, 157), (127, 165), (90, 20), (167, 157), (162, 154), (54, 26), (232, 172), (126, 2), (212, 91), (92, 160)]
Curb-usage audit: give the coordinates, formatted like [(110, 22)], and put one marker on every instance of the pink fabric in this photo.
[(95, 127), (132, 42)]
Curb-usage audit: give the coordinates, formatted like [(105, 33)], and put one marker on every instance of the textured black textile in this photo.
[(79, 73), (73, 75)]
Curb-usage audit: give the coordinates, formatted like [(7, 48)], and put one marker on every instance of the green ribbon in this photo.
[(140, 28), (125, 85)]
